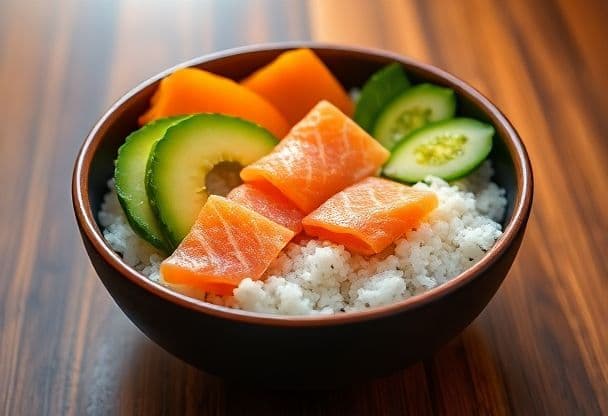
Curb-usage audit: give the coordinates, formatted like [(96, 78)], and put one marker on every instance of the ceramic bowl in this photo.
[(288, 351)]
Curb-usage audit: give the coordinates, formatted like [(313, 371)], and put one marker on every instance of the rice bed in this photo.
[(318, 277)]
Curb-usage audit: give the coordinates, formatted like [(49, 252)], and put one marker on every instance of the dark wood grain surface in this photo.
[(540, 347)]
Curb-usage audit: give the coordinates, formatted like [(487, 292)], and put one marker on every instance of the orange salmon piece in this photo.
[(297, 80), (227, 244), (192, 90), (370, 215), (269, 202), (322, 154)]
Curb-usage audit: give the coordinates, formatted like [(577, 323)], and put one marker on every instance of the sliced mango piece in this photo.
[(297, 80), (191, 90)]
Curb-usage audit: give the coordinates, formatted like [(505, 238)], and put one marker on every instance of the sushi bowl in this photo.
[(319, 351)]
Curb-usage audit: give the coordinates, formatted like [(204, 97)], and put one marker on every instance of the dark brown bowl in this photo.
[(286, 351)]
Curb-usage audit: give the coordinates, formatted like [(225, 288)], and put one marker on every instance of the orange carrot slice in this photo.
[(191, 90), (370, 215), (227, 243), (296, 81), (269, 202), (322, 154)]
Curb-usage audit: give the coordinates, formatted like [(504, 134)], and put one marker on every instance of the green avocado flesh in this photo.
[(414, 108), (129, 180), (448, 149), (176, 178), (382, 87)]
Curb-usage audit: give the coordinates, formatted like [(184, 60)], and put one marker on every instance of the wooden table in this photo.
[(540, 347)]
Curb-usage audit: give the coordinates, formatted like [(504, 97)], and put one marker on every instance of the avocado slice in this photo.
[(130, 175), (181, 161)]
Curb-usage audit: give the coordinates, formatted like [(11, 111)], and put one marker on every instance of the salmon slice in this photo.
[(370, 215), (269, 202), (227, 243), (321, 155)]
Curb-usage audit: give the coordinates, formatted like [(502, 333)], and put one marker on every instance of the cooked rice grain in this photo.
[(316, 277)]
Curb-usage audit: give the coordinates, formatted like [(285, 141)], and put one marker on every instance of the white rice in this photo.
[(315, 277)]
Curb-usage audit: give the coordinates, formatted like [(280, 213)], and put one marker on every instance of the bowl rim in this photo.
[(521, 205)]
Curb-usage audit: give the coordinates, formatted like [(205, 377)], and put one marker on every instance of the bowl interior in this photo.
[(352, 67)]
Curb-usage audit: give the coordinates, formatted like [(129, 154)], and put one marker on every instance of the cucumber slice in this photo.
[(129, 179), (181, 160), (382, 87), (412, 109), (449, 149)]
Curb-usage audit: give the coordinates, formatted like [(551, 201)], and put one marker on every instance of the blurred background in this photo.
[(539, 348)]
